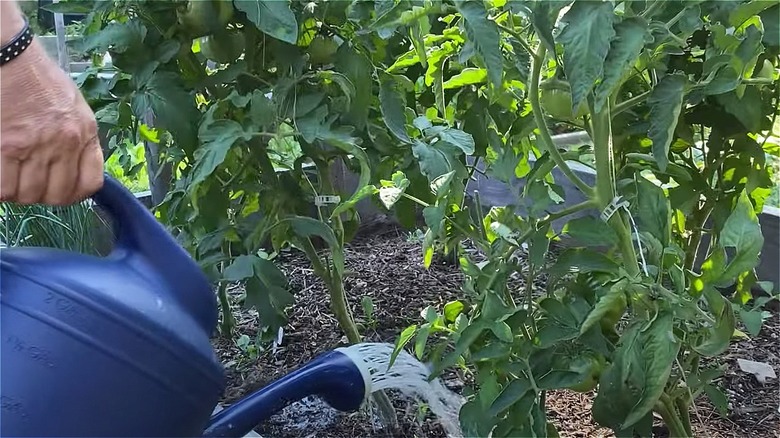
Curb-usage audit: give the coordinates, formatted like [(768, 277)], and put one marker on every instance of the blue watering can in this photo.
[(119, 345)]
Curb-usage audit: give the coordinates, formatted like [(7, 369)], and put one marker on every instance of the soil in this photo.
[(385, 264)]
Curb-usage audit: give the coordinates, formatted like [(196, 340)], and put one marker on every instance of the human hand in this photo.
[(49, 148)]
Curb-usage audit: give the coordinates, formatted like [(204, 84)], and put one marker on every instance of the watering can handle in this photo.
[(138, 232)]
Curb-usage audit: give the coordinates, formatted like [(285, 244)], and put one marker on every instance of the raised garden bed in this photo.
[(386, 265)]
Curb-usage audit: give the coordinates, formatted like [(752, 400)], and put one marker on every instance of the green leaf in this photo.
[(545, 14), (549, 335), (502, 331), (217, 137), (267, 292), (659, 350), (392, 104), (242, 267), (172, 106), (116, 36), (262, 110), (744, 11), (591, 231), (558, 311), (539, 243), (459, 139), (630, 387), (468, 336), (582, 260), (753, 320), (653, 211), (718, 337), (359, 195), (558, 379), (452, 309), (358, 69), (718, 399), (665, 103), (586, 40), (467, 76), (273, 17), (400, 343), (391, 191), (437, 159), (485, 36), (417, 30), (630, 35), (421, 340), (512, 393), (743, 233), (613, 299)]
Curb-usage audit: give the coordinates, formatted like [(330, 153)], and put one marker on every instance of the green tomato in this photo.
[(222, 47), (556, 100), (589, 366), (203, 17), (321, 50)]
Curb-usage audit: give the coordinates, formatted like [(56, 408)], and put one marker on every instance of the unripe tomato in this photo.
[(321, 50), (222, 47), (202, 17), (588, 365), (556, 100)]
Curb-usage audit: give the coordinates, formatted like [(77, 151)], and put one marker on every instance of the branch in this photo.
[(544, 132), (521, 41), (630, 103)]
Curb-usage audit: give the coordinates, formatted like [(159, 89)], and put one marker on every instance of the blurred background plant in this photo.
[(73, 228)]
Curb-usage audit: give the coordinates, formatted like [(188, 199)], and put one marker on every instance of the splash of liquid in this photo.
[(409, 376)]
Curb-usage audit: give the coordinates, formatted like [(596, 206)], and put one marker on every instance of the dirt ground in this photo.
[(386, 265)]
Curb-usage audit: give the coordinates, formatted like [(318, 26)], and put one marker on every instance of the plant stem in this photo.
[(520, 41), (605, 187), (630, 103), (685, 415), (569, 210), (544, 132), (668, 412), (228, 321), (692, 249)]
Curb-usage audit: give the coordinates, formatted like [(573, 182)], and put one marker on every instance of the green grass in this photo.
[(71, 228)]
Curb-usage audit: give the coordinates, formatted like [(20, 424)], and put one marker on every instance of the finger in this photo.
[(33, 177), (63, 178), (9, 179), (90, 171)]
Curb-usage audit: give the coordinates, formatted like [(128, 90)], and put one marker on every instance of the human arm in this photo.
[(49, 149)]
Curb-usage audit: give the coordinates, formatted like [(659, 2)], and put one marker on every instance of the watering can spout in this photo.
[(333, 376)]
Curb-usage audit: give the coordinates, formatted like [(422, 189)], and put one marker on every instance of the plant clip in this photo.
[(321, 200), (616, 204)]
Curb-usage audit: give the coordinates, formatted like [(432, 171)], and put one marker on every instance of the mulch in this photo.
[(385, 264)]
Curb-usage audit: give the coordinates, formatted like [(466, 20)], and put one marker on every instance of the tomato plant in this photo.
[(663, 90)]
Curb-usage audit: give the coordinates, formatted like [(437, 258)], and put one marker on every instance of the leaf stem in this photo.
[(630, 103), (544, 132), (521, 41), (590, 203)]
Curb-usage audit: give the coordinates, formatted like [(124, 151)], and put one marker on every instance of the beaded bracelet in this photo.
[(17, 45)]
